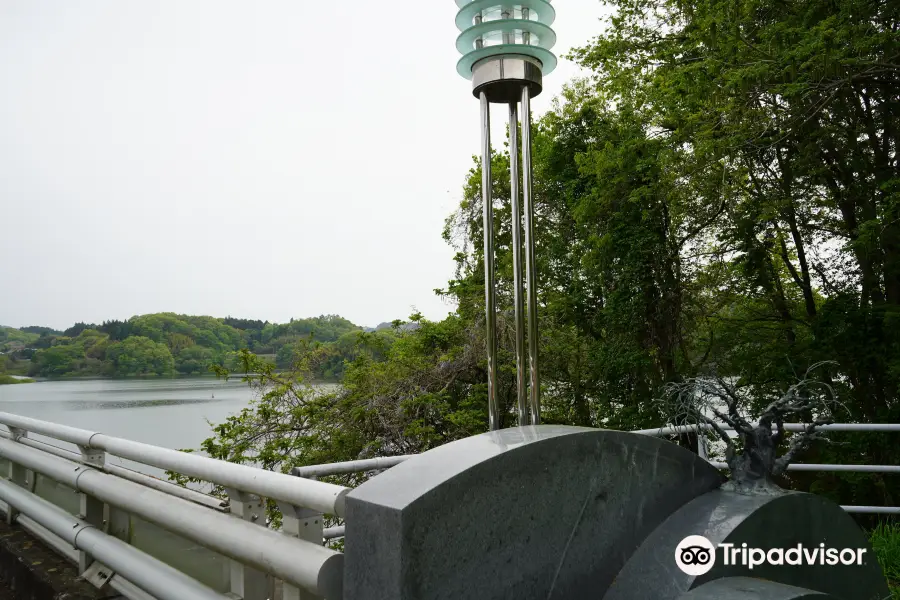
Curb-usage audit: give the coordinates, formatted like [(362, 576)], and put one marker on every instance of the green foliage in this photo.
[(8, 379), (195, 343), (250, 329), (194, 360), (179, 331), (286, 339), (64, 358), (40, 330), (76, 329), (403, 392), (13, 338), (139, 355), (11, 364), (387, 371), (774, 127), (116, 330), (885, 538)]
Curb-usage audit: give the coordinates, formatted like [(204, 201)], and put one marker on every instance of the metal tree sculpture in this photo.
[(753, 462)]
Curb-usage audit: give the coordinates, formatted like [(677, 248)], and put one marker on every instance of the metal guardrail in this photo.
[(113, 501), (324, 497), (808, 467), (373, 464), (151, 539), (824, 468), (129, 474), (148, 573), (352, 466)]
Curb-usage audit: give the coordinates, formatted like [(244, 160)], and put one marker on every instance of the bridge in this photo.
[(135, 536)]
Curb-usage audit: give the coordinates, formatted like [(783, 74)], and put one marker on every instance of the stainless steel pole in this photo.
[(490, 314), (519, 310), (531, 281)]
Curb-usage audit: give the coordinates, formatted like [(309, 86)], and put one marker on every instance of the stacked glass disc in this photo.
[(491, 28)]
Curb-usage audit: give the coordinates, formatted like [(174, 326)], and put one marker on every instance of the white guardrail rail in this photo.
[(140, 534), (151, 539), (374, 464)]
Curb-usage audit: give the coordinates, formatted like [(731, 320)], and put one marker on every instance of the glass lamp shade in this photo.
[(494, 28)]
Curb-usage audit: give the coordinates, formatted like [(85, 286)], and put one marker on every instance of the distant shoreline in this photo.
[(233, 376), (14, 379)]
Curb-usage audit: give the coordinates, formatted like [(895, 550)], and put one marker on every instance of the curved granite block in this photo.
[(760, 521), (547, 512), (745, 588)]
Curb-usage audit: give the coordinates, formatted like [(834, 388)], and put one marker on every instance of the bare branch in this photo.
[(713, 399), (799, 443), (684, 403)]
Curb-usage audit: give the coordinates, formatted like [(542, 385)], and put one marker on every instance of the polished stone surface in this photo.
[(547, 512), (745, 588), (760, 521)]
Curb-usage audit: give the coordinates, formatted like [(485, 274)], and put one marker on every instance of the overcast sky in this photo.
[(266, 159)]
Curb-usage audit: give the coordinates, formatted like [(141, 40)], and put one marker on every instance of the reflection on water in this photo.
[(174, 413), (107, 405)]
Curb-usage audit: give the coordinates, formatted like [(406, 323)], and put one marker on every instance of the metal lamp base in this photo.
[(502, 78), (495, 82)]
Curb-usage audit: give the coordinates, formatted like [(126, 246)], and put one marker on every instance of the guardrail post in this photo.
[(308, 525), (104, 517), (19, 475), (247, 582), (91, 509), (117, 523)]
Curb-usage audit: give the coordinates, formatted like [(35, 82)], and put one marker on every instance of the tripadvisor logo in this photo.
[(695, 555)]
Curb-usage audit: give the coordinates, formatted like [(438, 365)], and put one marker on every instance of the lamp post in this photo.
[(506, 52)]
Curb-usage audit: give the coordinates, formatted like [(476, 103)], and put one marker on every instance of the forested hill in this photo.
[(169, 343)]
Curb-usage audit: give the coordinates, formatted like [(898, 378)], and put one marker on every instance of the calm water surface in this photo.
[(165, 412), (173, 413)]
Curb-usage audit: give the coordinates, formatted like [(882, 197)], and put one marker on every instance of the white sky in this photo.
[(268, 159)]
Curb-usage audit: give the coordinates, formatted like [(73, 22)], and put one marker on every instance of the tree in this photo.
[(139, 355), (43, 342), (76, 329), (60, 359), (194, 342), (40, 330), (117, 330), (178, 342), (407, 395), (194, 360), (8, 334), (795, 104), (94, 343)]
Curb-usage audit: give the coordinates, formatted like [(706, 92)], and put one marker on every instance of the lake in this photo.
[(164, 412)]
